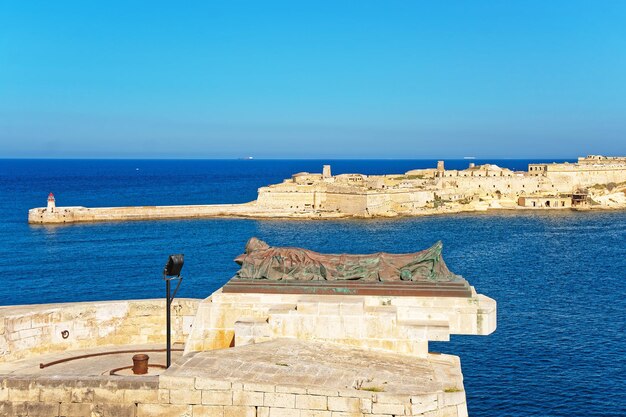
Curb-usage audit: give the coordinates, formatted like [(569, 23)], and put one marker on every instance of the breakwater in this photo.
[(60, 215)]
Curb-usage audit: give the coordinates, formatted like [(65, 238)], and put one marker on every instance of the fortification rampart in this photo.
[(46, 328), (247, 355)]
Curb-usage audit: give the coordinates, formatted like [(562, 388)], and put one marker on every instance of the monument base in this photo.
[(459, 288), (400, 324)]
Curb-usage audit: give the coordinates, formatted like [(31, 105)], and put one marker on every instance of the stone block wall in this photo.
[(39, 329), (396, 324), (208, 398), (200, 397)]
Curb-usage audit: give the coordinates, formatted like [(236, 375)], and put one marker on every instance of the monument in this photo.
[(293, 333), (296, 270)]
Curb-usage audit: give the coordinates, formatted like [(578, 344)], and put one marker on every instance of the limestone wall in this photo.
[(396, 324), (203, 397), (286, 198), (586, 177), (515, 185), (37, 329)]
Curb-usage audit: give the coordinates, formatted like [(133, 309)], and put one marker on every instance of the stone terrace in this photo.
[(283, 377), (287, 377)]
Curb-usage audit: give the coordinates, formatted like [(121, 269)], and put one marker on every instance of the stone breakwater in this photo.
[(60, 215)]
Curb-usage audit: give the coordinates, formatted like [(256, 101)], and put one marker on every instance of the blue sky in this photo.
[(312, 79)]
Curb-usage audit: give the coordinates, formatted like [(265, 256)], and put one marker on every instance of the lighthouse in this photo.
[(51, 203)]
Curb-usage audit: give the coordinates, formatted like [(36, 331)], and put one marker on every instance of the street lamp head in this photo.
[(174, 265)]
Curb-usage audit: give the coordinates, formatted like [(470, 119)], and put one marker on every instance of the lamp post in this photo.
[(170, 272)]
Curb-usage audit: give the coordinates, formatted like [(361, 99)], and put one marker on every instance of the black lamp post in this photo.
[(171, 271)]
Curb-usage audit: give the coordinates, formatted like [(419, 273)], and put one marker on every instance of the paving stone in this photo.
[(319, 368), (212, 384)]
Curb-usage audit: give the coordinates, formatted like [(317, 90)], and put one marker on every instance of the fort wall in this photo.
[(205, 396), (237, 374), (45, 328)]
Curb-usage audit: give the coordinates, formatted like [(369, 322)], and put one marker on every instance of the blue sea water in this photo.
[(558, 277)]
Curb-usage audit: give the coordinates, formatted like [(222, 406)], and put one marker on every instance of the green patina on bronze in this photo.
[(263, 262)]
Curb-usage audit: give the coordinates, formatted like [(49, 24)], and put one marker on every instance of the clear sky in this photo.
[(312, 79)]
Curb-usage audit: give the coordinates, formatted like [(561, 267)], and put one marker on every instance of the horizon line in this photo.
[(285, 158)]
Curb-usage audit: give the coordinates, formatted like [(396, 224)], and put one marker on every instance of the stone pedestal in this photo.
[(390, 323)]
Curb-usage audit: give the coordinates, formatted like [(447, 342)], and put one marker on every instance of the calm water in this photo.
[(558, 278)]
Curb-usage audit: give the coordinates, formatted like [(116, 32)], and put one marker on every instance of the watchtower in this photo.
[(326, 172), (440, 168)]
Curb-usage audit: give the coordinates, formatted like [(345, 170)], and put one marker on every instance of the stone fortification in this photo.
[(253, 353), (594, 182), (47, 328), (584, 185), (248, 355)]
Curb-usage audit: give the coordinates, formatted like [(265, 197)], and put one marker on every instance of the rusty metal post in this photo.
[(140, 364)]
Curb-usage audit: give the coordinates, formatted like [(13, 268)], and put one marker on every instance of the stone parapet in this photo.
[(85, 398), (43, 328)]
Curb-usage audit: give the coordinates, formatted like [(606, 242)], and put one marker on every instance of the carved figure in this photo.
[(261, 261)]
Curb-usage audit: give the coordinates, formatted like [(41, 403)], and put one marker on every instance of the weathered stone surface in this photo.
[(164, 410), (344, 404), (186, 396), (311, 402), (239, 411), (75, 409), (208, 411), (113, 410), (216, 397), (37, 329), (248, 398), (275, 399)]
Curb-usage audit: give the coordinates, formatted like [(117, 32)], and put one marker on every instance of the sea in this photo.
[(558, 276)]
